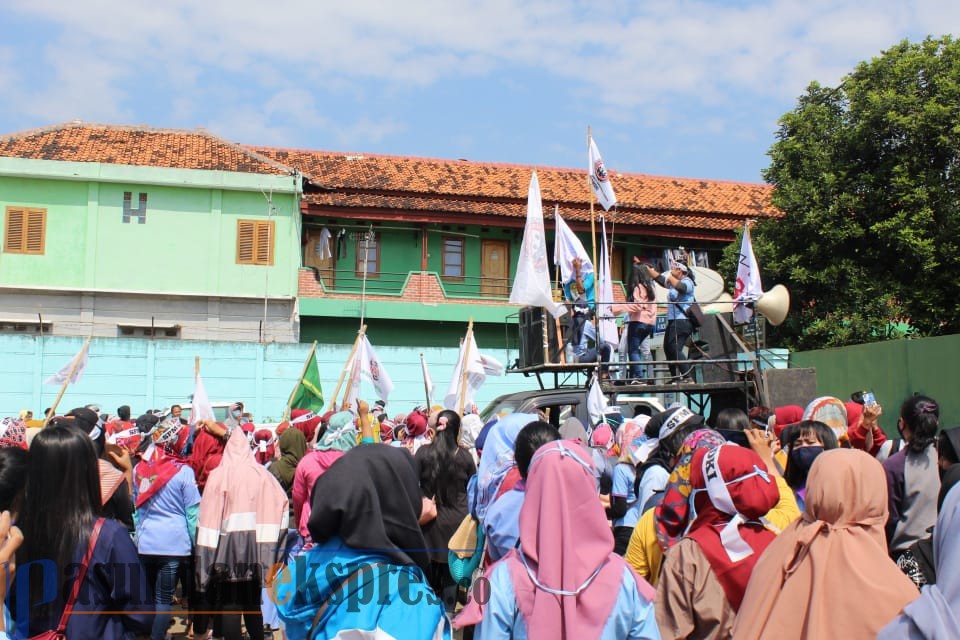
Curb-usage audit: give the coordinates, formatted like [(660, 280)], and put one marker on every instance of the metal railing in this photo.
[(392, 283)]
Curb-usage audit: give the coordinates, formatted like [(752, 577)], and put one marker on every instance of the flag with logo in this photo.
[(369, 367), (200, 407), (309, 392), (599, 179), (476, 375), (566, 247), (596, 401), (607, 321), (531, 284), (80, 360), (747, 288)]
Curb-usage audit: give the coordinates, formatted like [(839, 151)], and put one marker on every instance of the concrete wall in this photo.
[(151, 374), (199, 317)]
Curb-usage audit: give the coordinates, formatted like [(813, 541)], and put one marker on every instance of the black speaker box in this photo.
[(531, 337)]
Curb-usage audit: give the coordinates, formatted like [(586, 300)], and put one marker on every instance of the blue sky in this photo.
[(676, 88)]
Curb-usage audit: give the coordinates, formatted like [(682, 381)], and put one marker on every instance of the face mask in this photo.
[(803, 457)]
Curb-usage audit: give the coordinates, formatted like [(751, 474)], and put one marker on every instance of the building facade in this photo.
[(120, 232)]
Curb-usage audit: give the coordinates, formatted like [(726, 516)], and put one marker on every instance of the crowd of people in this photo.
[(785, 522)]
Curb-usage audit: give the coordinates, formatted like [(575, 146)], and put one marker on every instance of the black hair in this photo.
[(437, 465), (123, 412), (61, 502), (532, 437), (945, 448), (732, 419), (788, 438), (922, 415), (175, 406), (13, 476), (670, 446), (640, 277)]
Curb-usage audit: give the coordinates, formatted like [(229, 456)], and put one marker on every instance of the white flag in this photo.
[(531, 283), (608, 322), (599, 179), (61, 376), (492, 366), (427, 380), (748, 287), (475, 375), (372, 369), (566, 247), (596, 402), (200, 407)]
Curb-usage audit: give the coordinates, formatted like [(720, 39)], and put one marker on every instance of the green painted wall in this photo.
[(407, 333), (187, 245), (892, 370)]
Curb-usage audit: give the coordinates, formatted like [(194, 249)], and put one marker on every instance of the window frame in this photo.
[(443, 257), (257, 228), (29, 214), (359, 254)]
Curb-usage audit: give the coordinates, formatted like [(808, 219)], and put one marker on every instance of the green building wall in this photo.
[(186, 245)]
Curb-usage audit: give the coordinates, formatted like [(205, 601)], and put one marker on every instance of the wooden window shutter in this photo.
[(255, 242), (264, 244), (36, 227), (25, 231), (13, 233), (246, 230)]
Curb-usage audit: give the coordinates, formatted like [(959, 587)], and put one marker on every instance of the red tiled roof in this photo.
[(140, 146), (364, 180)]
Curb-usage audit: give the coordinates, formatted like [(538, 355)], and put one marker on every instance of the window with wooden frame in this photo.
[(369, 246), (255, 242), (452, 258), (25, 231)]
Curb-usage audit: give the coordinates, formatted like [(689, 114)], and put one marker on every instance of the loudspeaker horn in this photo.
[(723, 304), (774, 305)]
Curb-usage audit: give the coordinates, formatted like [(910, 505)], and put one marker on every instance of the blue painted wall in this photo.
[(152, 374)]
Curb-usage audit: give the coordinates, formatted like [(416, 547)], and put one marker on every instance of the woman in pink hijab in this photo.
[(564, 581)]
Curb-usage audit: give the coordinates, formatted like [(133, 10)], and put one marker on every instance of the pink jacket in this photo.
[(646, 313), (309, 469)]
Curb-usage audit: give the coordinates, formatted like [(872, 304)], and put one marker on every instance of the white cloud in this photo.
[(629, 60)]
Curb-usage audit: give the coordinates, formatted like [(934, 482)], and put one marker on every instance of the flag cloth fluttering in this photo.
[(531, 283), (366, 365), (81, 363), (200, 407), (477, 371), (748, 288), (309, 393), (599, 179), (607, 321), (566, 247), (427, 380), (596, 402)]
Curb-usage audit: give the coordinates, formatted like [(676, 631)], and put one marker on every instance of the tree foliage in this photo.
[(867, 176)]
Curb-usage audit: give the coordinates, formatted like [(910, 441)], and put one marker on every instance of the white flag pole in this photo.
[(426, 385), (63, 389)]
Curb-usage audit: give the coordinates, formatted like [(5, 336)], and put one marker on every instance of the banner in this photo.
[(747, 288), (531, 283), (599, 179)]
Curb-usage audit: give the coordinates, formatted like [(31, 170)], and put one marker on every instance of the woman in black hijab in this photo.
[(367, 570)]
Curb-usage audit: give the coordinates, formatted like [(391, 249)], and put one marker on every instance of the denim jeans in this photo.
[(638, 347), (162, 574)]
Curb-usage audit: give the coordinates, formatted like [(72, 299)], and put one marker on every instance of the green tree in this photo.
[(867, 176)]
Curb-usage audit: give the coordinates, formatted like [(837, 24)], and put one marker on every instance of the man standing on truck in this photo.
[(580, 291), (679, 283)]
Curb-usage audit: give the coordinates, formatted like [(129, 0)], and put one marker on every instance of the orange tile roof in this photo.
[(140, 146), (365, 181)]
